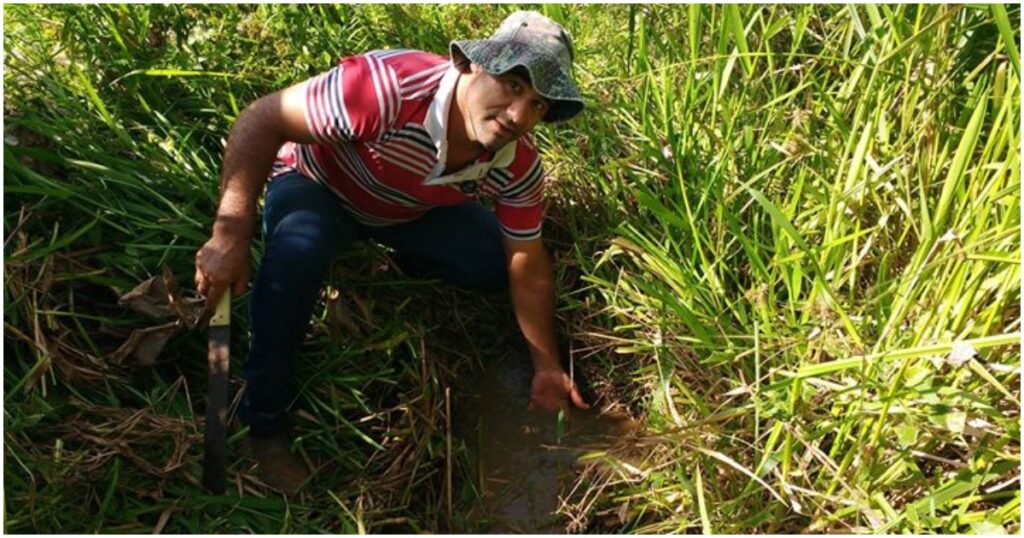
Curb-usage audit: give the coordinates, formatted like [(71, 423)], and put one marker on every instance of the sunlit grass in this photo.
[(788, 239), (817, 266)]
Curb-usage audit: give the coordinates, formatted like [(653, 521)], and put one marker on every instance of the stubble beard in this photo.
[(486, 139)]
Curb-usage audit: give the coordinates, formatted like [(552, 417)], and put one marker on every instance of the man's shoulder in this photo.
[(406, 57), (406, 62), (415, 74)]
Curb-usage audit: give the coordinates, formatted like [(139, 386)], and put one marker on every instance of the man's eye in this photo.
[(515, 86)]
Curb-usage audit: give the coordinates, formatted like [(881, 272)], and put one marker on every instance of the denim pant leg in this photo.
[(461, 245), (304, 227)]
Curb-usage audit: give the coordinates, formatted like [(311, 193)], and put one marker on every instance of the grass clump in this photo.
[(788, 240), (813, 276)]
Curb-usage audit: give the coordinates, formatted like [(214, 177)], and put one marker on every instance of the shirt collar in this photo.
[(437, 116), (436, 124)]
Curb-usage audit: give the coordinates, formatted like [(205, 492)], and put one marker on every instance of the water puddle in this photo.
[(525, 459)]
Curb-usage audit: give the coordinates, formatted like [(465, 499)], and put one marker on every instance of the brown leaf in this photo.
[(161, 522), (188, 309), (146, 344), (158, 297), (149, 298)]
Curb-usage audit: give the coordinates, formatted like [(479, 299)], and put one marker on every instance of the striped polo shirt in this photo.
[(380, 122)]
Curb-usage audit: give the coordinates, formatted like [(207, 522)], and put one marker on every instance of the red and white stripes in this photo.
[(368, 117)]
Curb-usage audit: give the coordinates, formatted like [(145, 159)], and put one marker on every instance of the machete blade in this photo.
[(218, 358)]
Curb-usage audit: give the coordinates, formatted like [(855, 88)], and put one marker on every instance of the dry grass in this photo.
[(787, 240)]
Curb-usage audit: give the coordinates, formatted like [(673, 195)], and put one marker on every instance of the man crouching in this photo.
[(397, 147)]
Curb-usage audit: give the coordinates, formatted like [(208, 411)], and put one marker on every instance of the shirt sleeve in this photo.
[(520, 205), (357, 100)]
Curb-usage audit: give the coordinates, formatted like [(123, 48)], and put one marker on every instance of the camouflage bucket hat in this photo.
[(530, 40)]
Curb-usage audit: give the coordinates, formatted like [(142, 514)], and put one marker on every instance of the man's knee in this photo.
[(482, 270), (301, 241), (486, 272)]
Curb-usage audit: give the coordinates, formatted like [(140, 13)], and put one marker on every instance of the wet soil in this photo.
[(525, 459)]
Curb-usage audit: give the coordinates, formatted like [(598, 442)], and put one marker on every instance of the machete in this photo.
[(215, 452)]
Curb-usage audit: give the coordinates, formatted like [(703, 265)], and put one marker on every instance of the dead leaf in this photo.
[(161, 522), (623, 513), (149, 298), (158, 297), (146, 344), (188, 309)]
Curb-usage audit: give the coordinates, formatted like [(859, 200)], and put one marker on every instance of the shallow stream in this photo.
[(525, 459)]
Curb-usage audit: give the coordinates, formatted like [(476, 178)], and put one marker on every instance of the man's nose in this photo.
[(521, 114)]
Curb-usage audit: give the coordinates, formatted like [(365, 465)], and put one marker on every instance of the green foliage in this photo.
[(796, 231), (805, 242)]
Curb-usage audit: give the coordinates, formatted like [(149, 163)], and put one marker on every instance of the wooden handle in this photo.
[(222, 317)]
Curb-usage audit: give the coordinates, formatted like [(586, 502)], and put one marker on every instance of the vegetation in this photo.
[(787, 239)]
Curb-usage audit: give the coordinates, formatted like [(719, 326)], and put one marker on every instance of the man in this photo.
[(393, 146)]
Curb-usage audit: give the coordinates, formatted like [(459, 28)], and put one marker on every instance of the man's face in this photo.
[(500, 108)]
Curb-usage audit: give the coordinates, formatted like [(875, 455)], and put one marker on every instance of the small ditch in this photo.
[(524, 460)]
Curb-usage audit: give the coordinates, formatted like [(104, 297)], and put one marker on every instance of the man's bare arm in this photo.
[(532, 289), (257, 135)]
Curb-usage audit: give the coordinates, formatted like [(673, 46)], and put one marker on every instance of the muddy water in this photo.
[(525, 459)]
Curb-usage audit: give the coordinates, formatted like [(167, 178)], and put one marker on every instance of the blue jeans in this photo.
[(305, 227)]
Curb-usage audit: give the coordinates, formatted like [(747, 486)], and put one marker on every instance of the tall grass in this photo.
[(815, 273), (115, 118), (788, 239)]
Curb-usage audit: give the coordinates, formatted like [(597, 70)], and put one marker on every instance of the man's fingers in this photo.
[(577, 400), (215, 291), (202, 284), (242, 282)]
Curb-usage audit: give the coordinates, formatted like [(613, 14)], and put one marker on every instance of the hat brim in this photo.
[(498, 57)]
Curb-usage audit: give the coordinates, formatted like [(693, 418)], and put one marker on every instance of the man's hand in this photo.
[(550, 388), (532, 288), (221, 263)]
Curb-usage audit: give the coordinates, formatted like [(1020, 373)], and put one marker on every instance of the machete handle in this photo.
[(222, 316)]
